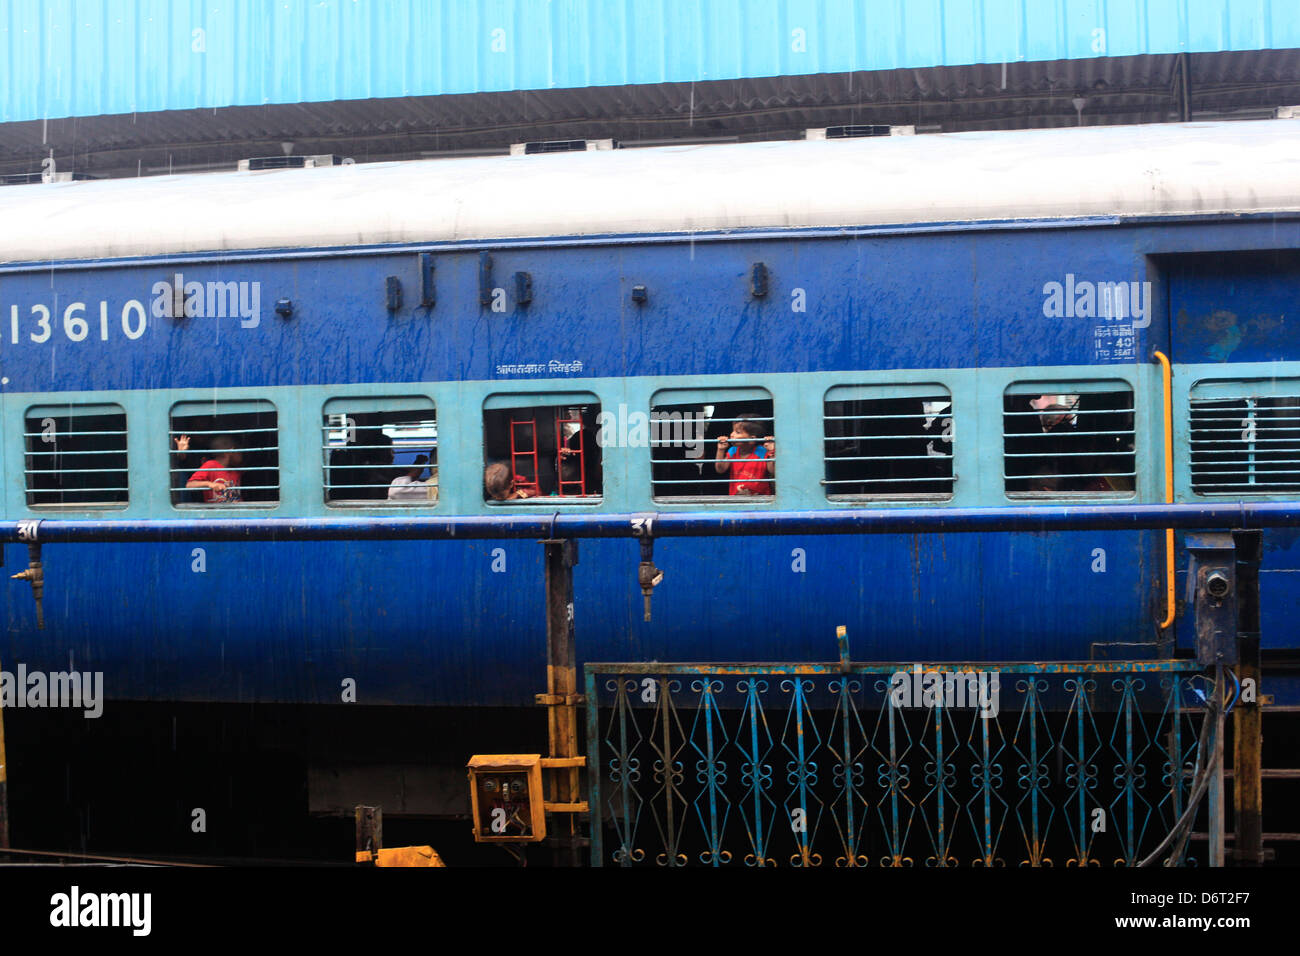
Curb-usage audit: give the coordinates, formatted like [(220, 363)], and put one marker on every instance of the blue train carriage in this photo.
[(948, 320)]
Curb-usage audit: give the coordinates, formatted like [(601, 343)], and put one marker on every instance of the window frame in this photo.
[(1079, 386), (370, 403), (552, 401), (884, 391), (711, 395), (73, 410), (212, 408), (1229, 390)]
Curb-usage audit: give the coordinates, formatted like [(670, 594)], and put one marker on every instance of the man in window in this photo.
[(409, 487), (748, 463)]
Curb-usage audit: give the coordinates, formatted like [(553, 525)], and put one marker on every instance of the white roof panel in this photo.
[(1158, 170)]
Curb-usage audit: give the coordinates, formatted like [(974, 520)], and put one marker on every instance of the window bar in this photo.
[(857, 433), (1249, 423), (74, 481)]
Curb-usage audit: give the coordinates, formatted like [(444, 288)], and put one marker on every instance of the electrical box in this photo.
[(506, 798), (1212, 596)]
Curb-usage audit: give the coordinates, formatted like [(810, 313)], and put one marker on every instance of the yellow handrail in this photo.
[(1170, 607)]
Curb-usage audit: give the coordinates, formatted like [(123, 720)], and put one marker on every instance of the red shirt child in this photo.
[(216, 476), (748, 463)]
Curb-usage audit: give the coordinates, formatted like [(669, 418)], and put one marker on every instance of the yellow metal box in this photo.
[(506, 798)]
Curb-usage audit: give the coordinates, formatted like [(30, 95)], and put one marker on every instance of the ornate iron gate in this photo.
[(1076, 764)]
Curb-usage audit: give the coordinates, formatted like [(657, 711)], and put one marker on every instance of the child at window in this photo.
[(748, 463), (217, 476)]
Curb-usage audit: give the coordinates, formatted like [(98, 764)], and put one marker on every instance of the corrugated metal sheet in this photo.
[(1118, 90), (91, 57)]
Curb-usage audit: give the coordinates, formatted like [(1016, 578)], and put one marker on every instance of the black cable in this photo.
[(1181, 829)]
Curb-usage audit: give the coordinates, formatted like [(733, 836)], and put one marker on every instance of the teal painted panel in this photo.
[(797, 399), (62, 58)]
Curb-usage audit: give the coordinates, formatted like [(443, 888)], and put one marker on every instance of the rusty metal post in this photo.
[(1216, 777), (562, 689), (370, 832), (4, 762), (4, 786), (1247, 721)]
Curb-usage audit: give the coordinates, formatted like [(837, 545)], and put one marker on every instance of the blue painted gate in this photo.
[(1074, 764)]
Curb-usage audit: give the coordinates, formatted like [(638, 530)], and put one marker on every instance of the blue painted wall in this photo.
[(88, 57), (867, 303), (432, 623)]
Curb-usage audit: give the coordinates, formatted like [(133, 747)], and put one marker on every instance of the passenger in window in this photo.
[(1058, 415), (217, 475), (409, 487), (499, 482), (375, 452), (748, 463), (1057, 410)]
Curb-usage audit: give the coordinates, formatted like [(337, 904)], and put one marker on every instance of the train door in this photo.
[(1235, 355)]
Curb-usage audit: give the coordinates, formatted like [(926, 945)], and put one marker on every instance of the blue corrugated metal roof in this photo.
[(90, 57)]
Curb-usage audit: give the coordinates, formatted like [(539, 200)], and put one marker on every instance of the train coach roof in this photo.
[(1173, 169)]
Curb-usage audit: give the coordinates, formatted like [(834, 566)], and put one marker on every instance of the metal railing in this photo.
[(1067, 764), (77, 459), (879, 452), (1038, 518), (1064, 449)]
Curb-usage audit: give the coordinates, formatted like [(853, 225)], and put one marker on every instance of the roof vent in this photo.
[(292, 162), (561, 146), (855, 132)]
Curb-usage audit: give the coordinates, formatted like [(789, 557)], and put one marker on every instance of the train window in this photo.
[(1245, 437), (888, 441), (541, 446), (711, 443), (224, 454), (1068, 439), (75, 456), (380, 452)]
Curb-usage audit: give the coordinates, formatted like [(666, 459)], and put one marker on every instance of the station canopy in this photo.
[(150, 87)]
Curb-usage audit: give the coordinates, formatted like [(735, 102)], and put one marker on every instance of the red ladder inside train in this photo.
[(527, 456)]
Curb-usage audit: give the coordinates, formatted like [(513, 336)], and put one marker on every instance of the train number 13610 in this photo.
[(41, 325)]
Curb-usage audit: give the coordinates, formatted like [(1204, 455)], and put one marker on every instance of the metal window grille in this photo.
[(683, 437), (549, 442), (1244, 440), (251, 427), (898, 445), (75, 456), (1074, 439), (369, 444)]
